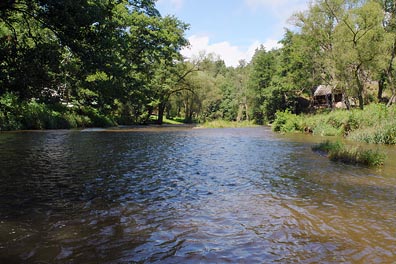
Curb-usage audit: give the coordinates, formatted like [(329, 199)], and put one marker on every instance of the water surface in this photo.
[(189, 196)]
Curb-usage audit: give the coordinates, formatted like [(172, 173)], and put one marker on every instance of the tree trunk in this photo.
[(161, 110), (247, 112), (389, 73), (345, 99), (149, 113), (240, 113), (360, 88), (186, 109), (381, 86), (392, 99)]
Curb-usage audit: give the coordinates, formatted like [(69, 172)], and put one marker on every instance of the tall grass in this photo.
[(226, 124), (375, 124), (337, 151)]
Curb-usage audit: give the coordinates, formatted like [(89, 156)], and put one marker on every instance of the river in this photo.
[(185, 195)]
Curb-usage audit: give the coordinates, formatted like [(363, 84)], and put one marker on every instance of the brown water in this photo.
[(189, 196)]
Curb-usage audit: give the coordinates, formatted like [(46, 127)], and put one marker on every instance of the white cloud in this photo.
[(270, 44), (280, 11), (231, 54)]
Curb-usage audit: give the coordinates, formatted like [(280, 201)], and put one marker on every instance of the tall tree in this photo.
[(358, 42)]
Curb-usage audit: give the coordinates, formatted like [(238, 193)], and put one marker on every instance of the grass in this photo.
[(173, 121), (375, 124), (226, 124), (337, 151)]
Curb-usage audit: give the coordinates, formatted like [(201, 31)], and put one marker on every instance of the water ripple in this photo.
[(187, 196)]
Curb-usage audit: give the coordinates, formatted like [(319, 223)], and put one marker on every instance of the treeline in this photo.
[(68, 63), (72, 63), (348, 45)]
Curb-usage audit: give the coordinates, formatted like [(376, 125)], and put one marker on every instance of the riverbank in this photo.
[(375, 124), (226, 124), (32, 115)]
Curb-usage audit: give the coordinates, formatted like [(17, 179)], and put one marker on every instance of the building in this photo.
[(325, 96)]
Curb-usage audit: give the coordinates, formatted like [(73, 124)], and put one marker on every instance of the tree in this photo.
[(263, 69), (387, 74), (359, 37), (100, 54)]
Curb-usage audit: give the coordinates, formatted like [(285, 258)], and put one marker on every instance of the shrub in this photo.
[(97, 119), (10, 112), (286, 122)]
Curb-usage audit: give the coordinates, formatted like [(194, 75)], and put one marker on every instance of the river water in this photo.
[(189, 196)]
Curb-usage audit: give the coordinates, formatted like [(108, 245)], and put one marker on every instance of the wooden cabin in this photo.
[(324, 96)]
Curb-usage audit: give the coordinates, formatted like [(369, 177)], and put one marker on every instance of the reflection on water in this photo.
[(187, 196)]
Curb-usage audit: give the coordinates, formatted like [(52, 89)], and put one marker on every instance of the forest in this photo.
[(68, 64)]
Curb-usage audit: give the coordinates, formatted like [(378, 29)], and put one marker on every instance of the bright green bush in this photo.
[(286, 122)]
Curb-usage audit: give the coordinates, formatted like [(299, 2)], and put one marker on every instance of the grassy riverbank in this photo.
[(226, 124), (375, 124), (34, 115)]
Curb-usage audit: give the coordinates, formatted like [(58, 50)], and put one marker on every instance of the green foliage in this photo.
[(10, 112), (91, 53), (339, 152), (380, 134), (375, 124), (97, 119), (328, 146), (325, 129), (286, 122)]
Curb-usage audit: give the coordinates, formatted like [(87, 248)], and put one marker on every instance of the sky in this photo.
[(232, 29)]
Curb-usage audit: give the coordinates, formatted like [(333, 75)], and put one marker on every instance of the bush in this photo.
[(97, 119), (10, 112), (286, 122)]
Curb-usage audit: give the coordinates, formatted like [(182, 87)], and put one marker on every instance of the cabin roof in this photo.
[(323, 90)]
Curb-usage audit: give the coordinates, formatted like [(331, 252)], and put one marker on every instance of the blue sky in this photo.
[(232, 29)]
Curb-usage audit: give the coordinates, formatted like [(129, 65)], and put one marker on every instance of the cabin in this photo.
[(324, 96)]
